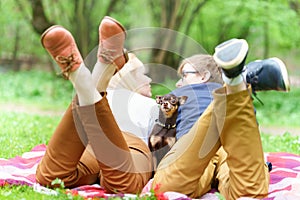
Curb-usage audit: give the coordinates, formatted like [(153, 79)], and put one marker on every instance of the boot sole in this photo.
[(125, 52), (284, 73), (118, 23), (231, 53), (47, 31)]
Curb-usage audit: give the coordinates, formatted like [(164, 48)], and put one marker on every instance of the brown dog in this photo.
[(163, 134)]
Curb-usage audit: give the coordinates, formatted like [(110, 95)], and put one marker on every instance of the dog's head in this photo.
[(169, 103)]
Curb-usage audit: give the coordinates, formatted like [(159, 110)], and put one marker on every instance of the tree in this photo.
[(208, 22), (175, 15), (80, 19), (39, 20)]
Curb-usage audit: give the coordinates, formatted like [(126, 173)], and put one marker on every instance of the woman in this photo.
[(120, 160)]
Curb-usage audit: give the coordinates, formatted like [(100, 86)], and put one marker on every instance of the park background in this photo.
[(272, 28), (28, 81), (33, 98)]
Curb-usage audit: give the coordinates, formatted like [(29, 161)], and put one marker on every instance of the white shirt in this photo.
[(133, 112)]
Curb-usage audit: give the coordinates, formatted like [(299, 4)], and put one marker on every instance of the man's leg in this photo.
[(248, 175), (239, 135), (182, 168), (268, 74)]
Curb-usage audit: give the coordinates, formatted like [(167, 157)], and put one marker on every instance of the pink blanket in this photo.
[(285, 176)]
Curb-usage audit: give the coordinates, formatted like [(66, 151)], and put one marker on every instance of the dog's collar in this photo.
[(167, 126)]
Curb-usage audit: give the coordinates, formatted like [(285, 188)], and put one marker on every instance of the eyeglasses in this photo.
[(184, 73)]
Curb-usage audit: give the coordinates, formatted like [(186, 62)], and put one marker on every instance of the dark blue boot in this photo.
[(268, 74)]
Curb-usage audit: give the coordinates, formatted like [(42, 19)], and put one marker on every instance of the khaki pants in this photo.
[(224, 144), (122, 161)]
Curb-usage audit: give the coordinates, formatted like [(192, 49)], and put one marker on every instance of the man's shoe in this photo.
[(111, 42), (268, 74), (231, 56), (61, 45)]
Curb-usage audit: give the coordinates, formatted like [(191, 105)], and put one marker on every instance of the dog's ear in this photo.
[(158, 98), (182, 100)]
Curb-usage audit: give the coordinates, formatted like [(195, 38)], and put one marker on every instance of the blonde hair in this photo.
[(202, 62), (124, 78)]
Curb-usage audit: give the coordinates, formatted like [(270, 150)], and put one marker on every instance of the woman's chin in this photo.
[(145, 91), (147, 94)]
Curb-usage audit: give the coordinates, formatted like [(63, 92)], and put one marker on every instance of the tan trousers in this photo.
[(224, 144), (122, 161)]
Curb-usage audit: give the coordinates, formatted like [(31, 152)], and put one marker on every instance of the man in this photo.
[(226, 130)]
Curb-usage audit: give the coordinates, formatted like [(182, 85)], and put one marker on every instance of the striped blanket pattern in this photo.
[(284, 184)]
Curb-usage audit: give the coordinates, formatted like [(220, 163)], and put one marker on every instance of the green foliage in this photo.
[(161, 89), (221, 20), (17, 32), (216, 21)]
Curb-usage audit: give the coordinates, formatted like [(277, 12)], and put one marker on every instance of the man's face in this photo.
[(189, 75)]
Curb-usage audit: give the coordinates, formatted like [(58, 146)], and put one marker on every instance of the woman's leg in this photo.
[(63, 157), (124, 159)]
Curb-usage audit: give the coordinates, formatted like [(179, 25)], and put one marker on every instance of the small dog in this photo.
[(163, 135)]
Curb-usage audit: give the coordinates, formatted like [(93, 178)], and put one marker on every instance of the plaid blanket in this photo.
[(20, 170)]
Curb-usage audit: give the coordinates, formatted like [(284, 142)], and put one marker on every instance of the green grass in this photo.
[(20, 132), (279, 109), (283, 143), (41, 89), (27, 192)]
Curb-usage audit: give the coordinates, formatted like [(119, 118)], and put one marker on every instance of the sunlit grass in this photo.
[(20, 132), (27, 193)]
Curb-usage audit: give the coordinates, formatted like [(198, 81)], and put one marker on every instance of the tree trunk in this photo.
[(15, 63), (82, 34), (266, 39), (169, 20), (39, 20)]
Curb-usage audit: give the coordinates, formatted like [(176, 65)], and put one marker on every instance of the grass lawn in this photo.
[(20, 132)]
